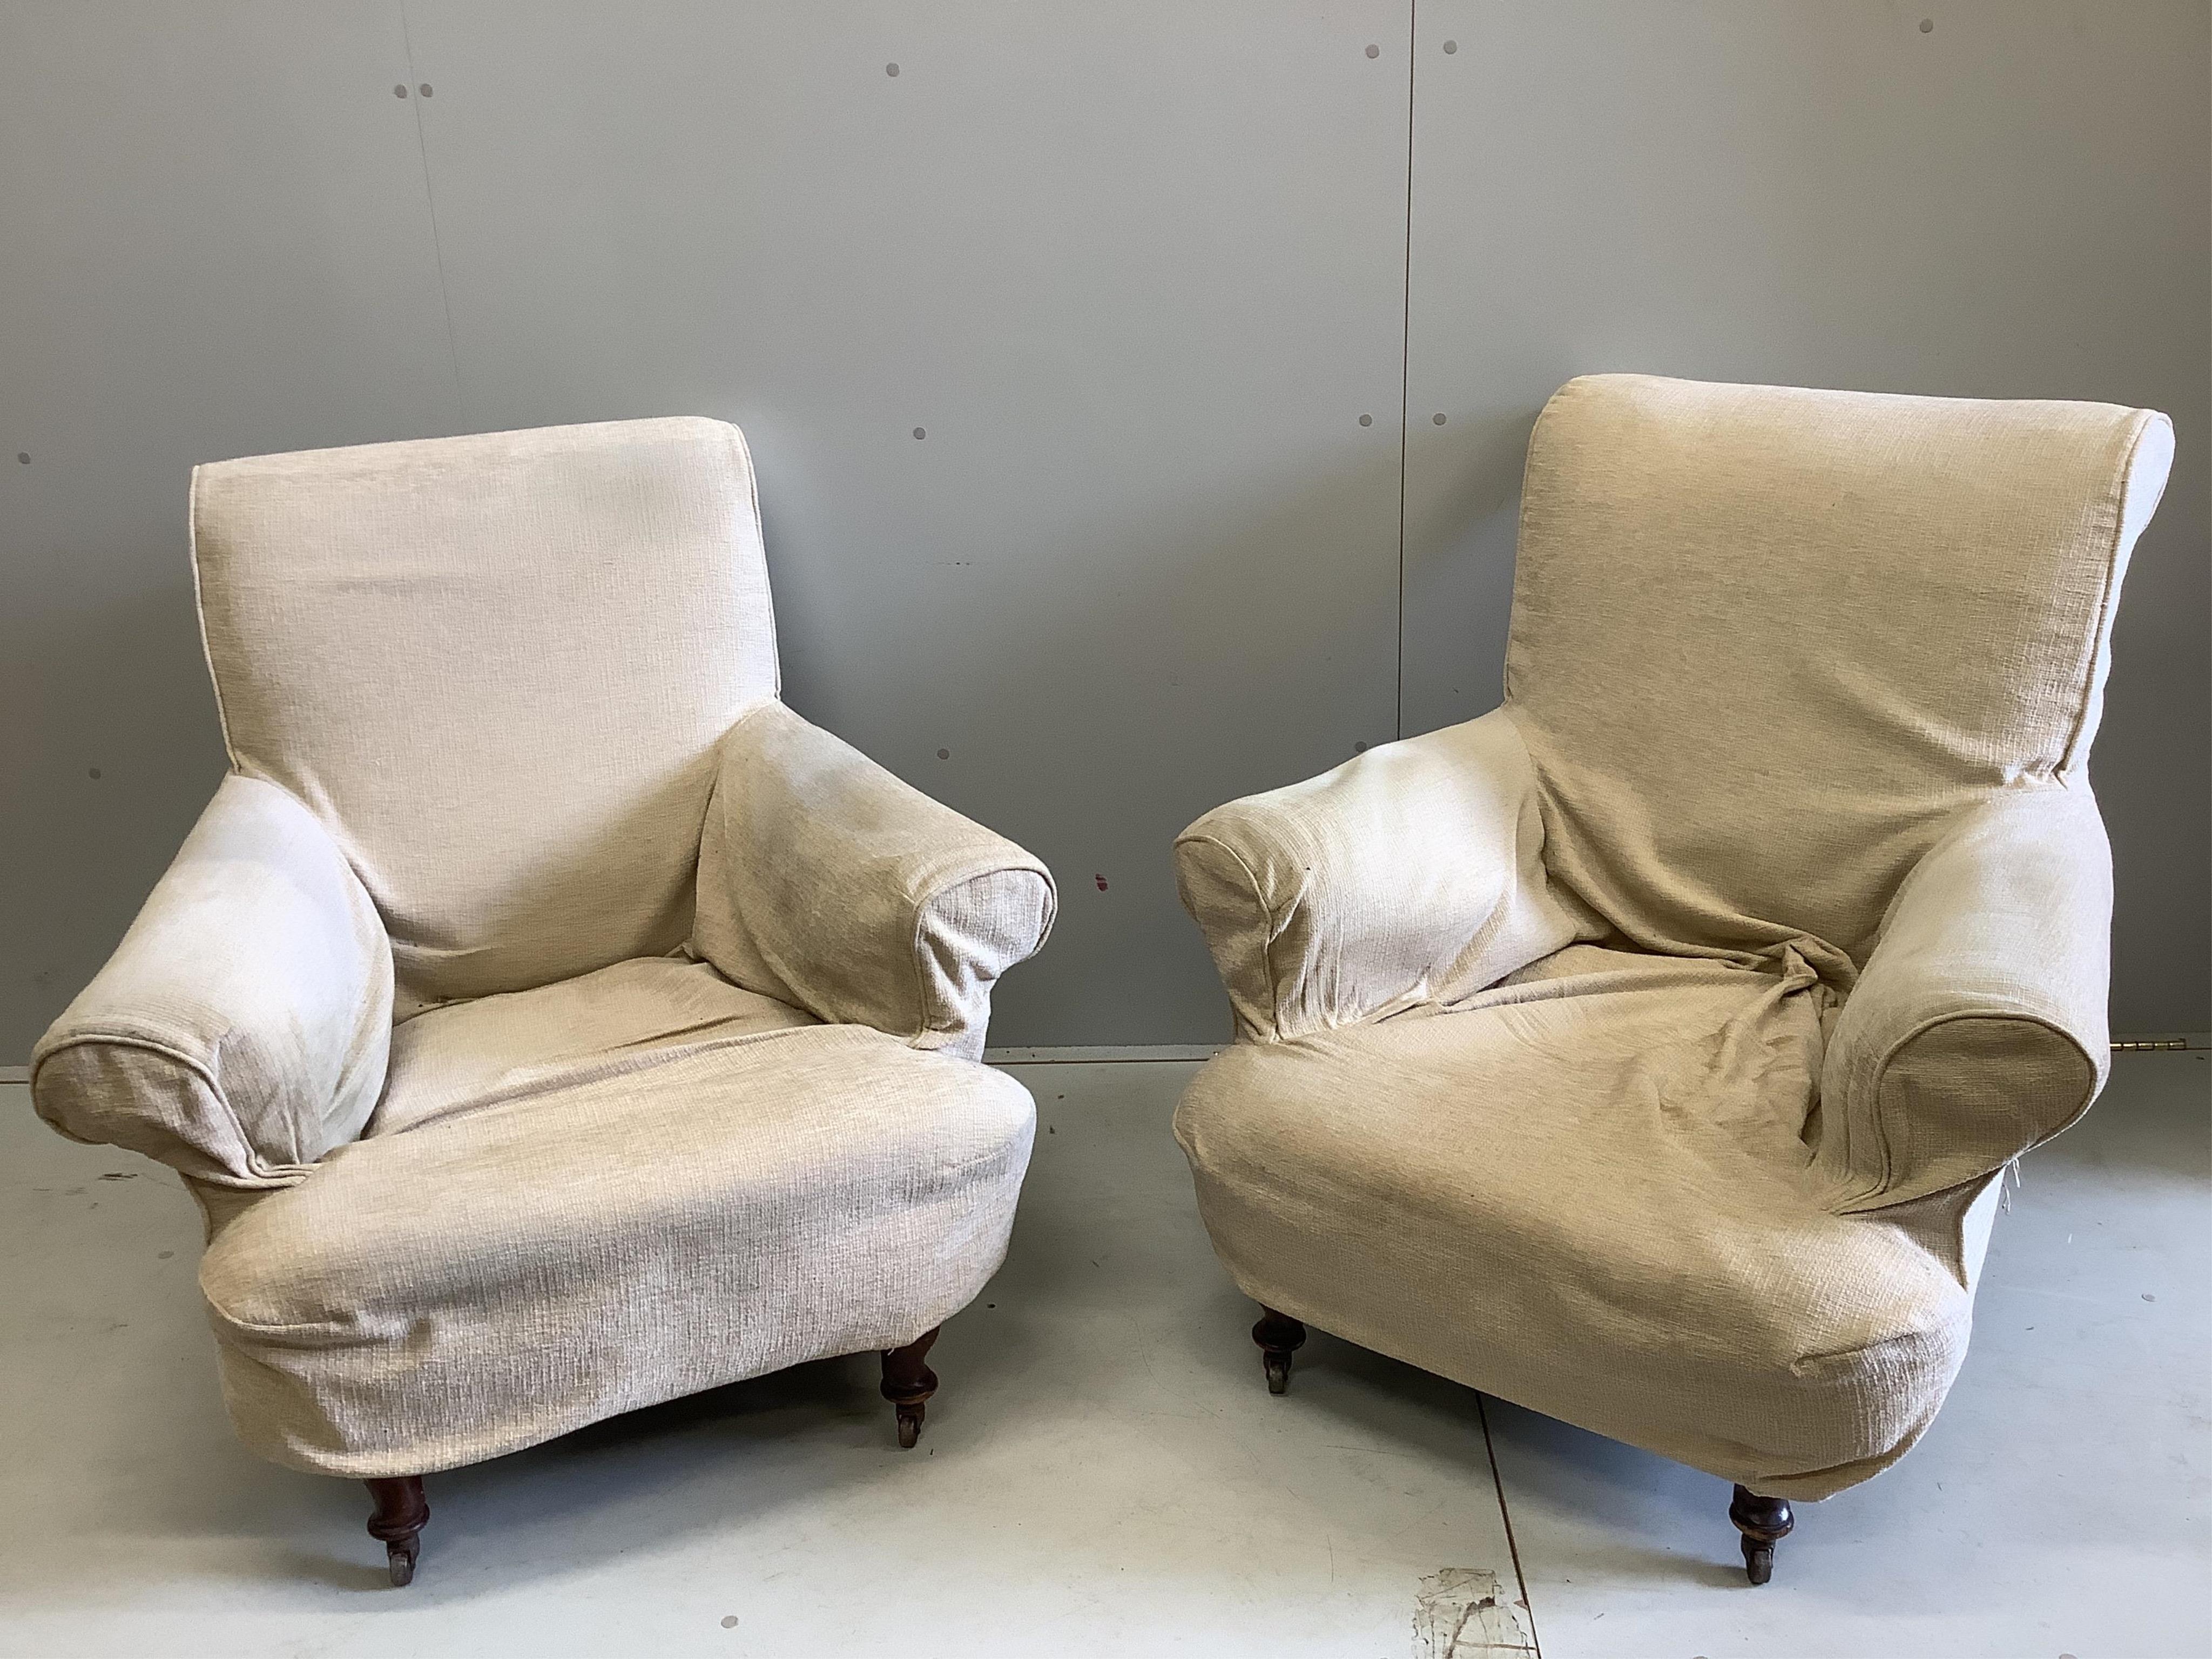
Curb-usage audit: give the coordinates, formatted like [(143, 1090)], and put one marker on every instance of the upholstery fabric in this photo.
[(1803, 685), (620, 1019), (498, 1276), (485, 1151), (240, 1030), (496, 667), (827, 884), (1588, 1193), (1764, 640), (1977, 1029), (1409, 875)]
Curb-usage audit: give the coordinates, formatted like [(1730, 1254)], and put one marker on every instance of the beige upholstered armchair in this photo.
[(548, 1021), (1649, 1051)]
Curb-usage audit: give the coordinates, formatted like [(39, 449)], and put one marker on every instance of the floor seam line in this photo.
[(1512, 1547)]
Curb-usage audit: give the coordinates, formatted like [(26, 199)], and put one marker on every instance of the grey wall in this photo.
[(1137, 272), (2015, 204)]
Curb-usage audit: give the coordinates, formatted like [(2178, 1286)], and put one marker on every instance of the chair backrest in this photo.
[(495, 668), (1764, 640)]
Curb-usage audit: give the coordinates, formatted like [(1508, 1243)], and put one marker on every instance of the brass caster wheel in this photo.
[(400, 1557), (1279, 1372), (909, 1425)]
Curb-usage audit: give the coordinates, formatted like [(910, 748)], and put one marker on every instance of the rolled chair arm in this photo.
[(1978, 1028), (1412, 873), (240, 1030), (828, 883)]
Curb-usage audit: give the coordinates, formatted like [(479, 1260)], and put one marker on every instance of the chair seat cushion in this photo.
[(494, 1276), (1589, 1192), (622, 1019)]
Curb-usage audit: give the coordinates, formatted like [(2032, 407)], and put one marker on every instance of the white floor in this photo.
[(1103, 1472)]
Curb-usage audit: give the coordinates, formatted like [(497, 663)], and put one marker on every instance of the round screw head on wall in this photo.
[(92, 772), (23, 458), (921, 431), (1928, 25), (424, 88), (1374, 52), (945, 754), (1367, 420), (1451, 45), (891, 69), (1438, 419), (400, 92)]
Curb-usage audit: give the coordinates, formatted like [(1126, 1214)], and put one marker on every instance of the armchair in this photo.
[(1647, 1051), (548, 1021)]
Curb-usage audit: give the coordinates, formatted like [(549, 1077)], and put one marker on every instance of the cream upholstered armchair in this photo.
[(1649, 1051), (548, 1021)]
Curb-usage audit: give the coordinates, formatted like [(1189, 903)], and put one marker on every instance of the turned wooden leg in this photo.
[(1764, 1522), (401, 1511), (1280, 1336), (908, 1383)]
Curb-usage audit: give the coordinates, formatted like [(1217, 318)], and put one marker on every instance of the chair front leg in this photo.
[(1280, 1336), (1764, 1522), (401, 1513), (908, 1383)]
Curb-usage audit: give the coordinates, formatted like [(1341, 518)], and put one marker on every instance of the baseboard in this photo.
[(1104, 1055), (1112, 1053)]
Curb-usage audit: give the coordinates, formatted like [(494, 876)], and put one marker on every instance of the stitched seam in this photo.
[(230, 1322), (937, 1013), (1268, 934), (1800, 1366), (1520, 533), (760, 535), (2068, 756), (152, 1045), (1890, 1055), (199, 615)]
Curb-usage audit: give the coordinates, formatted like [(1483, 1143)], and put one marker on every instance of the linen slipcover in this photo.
[(1646, 1051), (492, 1277), (490, 1141), (495, 668)]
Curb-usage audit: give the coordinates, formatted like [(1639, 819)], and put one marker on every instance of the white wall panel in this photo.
[(1972, 198)]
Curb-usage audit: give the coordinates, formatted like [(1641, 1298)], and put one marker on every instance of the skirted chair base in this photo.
[(584, 1199), (1591, 1197), (605, 1198), (401, 1509), (1512, 1194)]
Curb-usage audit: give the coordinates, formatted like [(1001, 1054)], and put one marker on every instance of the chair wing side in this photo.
[(827, 883), (1411, 874), (1977, 1029), (240, 1030)]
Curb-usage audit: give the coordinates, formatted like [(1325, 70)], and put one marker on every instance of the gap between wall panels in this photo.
[(1405, 347)]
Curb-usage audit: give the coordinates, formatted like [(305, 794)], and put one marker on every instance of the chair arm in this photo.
[(827, 883), (240, 1030), (1412, 873), (1977, 1030)]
